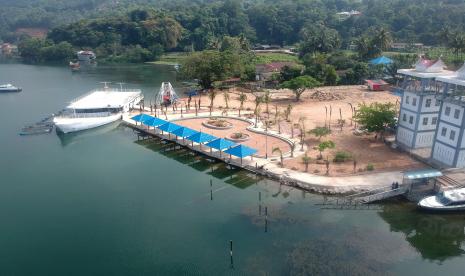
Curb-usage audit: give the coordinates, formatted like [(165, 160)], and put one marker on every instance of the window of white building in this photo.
[(410, 120), (452, 135), (447, 111), (428, 103), (443, 131), (414, 101), (404, 118), (434, 121), (437, 103), (456, 113), (407, 99), (425, 121)]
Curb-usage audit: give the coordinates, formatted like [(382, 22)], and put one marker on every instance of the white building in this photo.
[(419, 108), (449, 141)]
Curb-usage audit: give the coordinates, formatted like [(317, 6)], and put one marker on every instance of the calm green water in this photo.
[(101, 203)]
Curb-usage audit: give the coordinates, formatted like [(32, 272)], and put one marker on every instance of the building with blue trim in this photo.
[(449, 141), (420, 107)]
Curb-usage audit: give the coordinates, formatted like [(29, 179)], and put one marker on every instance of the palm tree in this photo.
[(278, 150), (258, 100), (306, 160), (302, 132), (212, 95), (267, 100), (242, 99), (226, 101), (287, 112), (383, 39), (325, 145)]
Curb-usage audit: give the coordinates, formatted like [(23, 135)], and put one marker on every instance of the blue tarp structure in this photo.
[(184, 132), (201, 137), (220, 144), (241, 151), (141, 117), (154, 122), (382, 60), (168, 127)]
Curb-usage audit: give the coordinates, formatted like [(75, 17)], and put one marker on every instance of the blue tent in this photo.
[(141, 117), (184, 132), (220, 144), (201, 137), (154, 122), (382, 60), (241, 151), (169, 127)]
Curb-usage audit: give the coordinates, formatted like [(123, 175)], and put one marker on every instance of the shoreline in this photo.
[(331, 185)]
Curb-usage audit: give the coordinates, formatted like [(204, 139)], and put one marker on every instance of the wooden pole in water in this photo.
[(266, 219), (211, 190), (231, 253)]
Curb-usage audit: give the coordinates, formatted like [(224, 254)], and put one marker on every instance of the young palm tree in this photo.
[(302, 132), (258, 101), (267, 100), (278, 150), (306, 160), (212, 95), (226, 101), (287, 112), (242, 99)]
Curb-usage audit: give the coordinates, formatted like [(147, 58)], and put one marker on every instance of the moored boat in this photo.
[(9, 88), (87, 56), (97, 108), (450, 200)]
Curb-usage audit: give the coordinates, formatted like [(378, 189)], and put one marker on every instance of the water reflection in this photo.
[(236, 177), (67, 139), (436, 237)]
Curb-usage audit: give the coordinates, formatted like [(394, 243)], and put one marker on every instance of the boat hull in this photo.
[(432, 203), (10, 90), (67, 125)]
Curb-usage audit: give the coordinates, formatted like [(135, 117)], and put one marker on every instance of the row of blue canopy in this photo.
[(195, 136)]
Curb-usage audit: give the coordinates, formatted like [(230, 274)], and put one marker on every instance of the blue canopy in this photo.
[(184, 132), (169, 127), (154, 122), (220, 144), (201, 137), (241, 151), (382, 60), (141, 117)]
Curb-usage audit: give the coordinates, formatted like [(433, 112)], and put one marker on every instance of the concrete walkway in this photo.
[(270, 167)]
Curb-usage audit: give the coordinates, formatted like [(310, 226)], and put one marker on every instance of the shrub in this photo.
[(370, 167), (342, 156)]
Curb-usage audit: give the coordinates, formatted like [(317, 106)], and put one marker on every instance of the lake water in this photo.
[(102, 203)]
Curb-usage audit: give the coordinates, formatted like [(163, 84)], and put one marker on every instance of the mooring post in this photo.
[(231, 253), (266, 219), (211, 190)]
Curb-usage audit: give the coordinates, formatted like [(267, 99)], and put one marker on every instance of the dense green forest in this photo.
[(141, 30), (266, 21)]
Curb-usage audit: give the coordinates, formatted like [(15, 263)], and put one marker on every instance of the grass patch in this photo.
[(264, 58), (171, 58)]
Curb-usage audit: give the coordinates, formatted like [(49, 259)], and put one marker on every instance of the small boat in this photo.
[(9, 88), (97, 108), (75, 66), (86, 56), (450, 200)]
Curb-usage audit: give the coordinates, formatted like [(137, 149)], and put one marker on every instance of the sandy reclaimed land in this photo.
[(365, 149)]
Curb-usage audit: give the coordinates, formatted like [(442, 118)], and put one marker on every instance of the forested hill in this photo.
[(266, 21)]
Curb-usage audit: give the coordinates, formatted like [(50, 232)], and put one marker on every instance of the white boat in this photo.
[(450, 200), (86, 56), (97, 108), (9, 88)]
